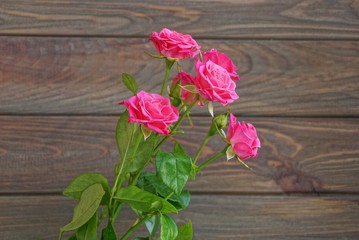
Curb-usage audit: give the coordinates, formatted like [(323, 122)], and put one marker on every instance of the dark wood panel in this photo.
[(269, 19), (43, 154), (82, 75), (213, 217)]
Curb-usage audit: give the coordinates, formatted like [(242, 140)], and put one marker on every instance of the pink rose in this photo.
[(243, 138), (172, 44), (152, 110), (186, 80), (222, 60), (214, 83)]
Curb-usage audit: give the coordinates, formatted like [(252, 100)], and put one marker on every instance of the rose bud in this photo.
[(242, 138)]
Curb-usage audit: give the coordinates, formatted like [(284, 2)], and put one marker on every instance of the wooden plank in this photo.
[(213, 217), (271, 19), (43, 154), (82, 75)]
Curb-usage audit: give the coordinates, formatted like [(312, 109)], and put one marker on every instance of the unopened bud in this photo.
[(175, 102), (175, 94), (218, 123), (221, 121), (175, 90)]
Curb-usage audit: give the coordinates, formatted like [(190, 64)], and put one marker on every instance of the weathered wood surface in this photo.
[(270, 19), (60, 68), (43, 154), (242, 217), (82, 75)]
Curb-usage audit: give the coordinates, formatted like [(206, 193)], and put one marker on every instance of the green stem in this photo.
[(115, 186), (186, 102), (178, 123), (204, 143), (135, 226), (116, 212), (60, 236), (169, 65), (119, 182), (212, 159)]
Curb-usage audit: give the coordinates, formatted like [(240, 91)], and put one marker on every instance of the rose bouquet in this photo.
[(149, 121)]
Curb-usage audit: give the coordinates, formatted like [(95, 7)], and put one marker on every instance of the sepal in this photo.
[(230, 153)]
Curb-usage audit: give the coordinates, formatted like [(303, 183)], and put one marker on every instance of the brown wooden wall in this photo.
[(60, 67)]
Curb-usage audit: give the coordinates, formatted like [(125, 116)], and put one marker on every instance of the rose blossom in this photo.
[(185, 79), (172, 44), (243, 138), (214, 83), (222, 60), (152, 110)]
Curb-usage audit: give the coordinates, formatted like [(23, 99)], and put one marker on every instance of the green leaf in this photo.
[(130, 83), (144, 201), (134, 150), (124, 133), (73, 237), (174, 168), (109, 233), (83, 181), (169, 229), (86, 208), (145, 184), (124, 138), (182, 201), (89, 230), (152, 183), (143, 153), (179, 150), (152, 225), (185, 232)]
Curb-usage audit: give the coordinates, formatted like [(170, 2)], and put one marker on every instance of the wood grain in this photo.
[(270, 19), (213, 217), (82, 75), (60, 69), (43, 154)]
